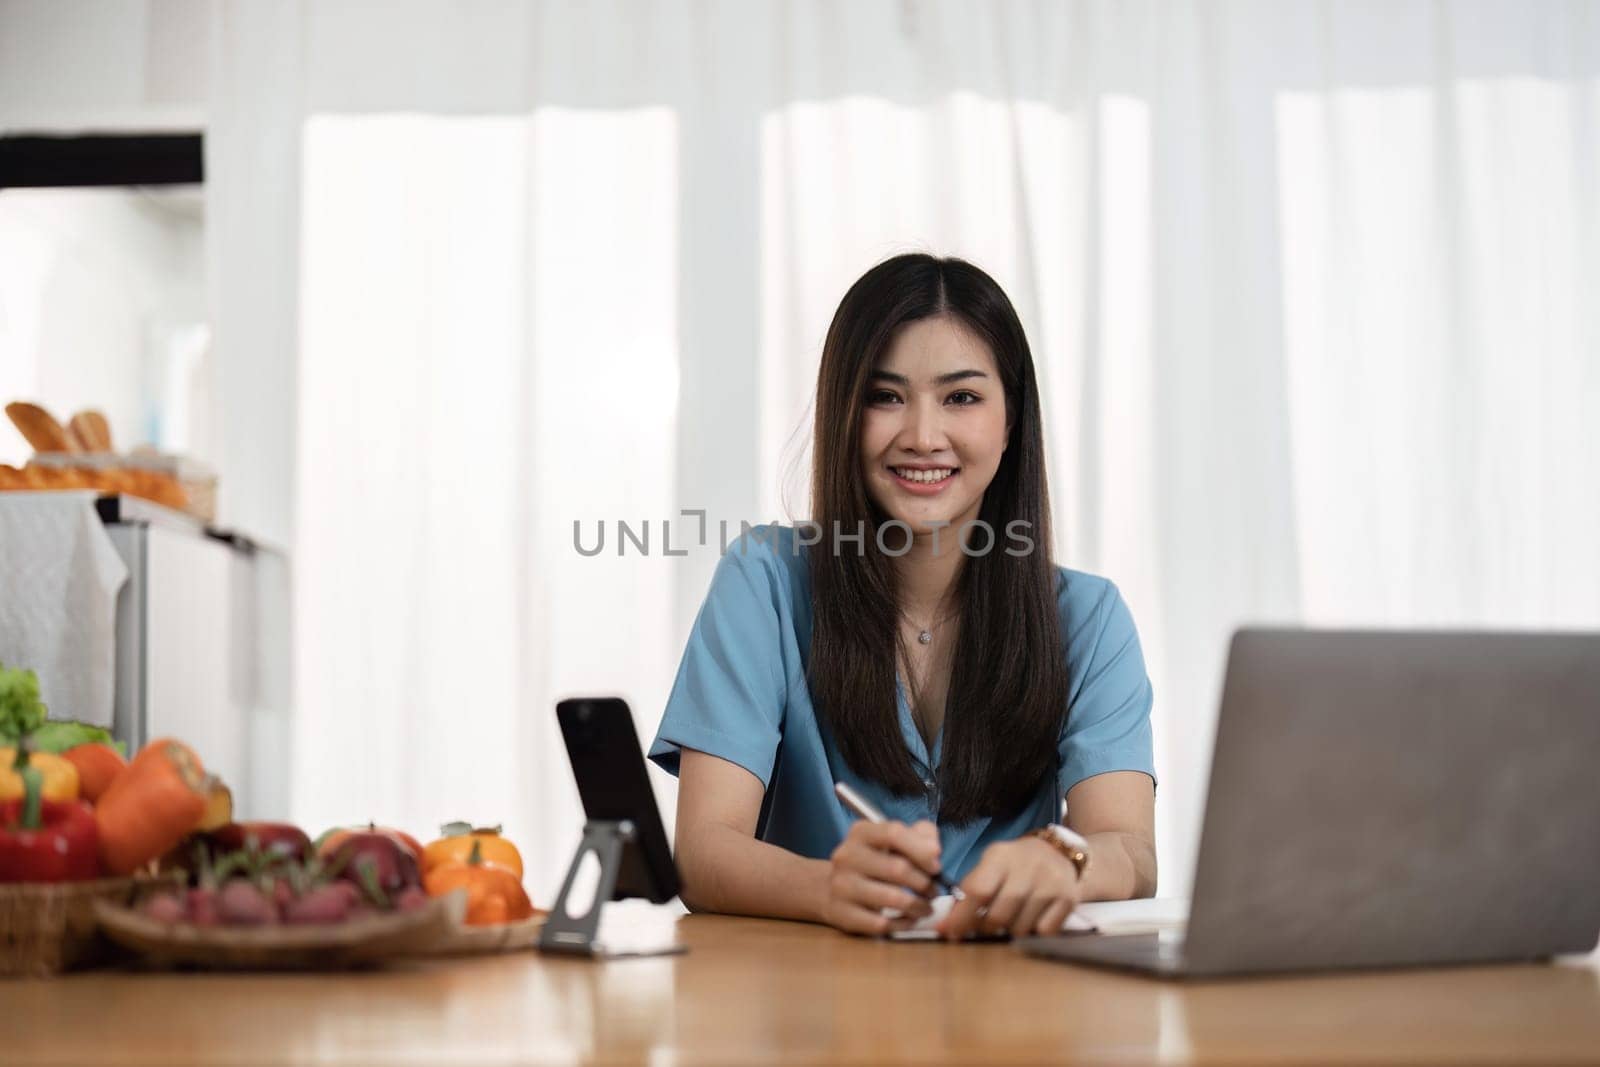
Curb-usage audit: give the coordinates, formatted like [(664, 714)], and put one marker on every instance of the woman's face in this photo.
[(933, 426)]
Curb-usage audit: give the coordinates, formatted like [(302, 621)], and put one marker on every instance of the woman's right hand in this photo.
[(879, 866)]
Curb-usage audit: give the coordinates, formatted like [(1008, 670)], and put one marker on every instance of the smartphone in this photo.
[(610, 771)]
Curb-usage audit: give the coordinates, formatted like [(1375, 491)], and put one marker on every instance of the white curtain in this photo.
[(1306, 283)]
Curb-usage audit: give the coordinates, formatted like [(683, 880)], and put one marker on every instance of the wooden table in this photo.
[(753, 991)]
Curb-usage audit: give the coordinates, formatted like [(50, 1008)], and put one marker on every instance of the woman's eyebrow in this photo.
[(943, 379)]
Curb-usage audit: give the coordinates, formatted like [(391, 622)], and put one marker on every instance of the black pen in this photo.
[(863, 807)]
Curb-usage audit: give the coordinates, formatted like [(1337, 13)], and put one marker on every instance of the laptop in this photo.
[(1386, 800)]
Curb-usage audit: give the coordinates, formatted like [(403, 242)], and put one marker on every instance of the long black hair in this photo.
[(1008, 683)]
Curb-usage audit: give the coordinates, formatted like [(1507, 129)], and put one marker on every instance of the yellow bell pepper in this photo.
[(60, 777)]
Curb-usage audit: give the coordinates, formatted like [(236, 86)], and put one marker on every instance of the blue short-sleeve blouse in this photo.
[(741, 695)]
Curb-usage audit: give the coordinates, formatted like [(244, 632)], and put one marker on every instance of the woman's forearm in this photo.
[(731, 872), (1121, 867)]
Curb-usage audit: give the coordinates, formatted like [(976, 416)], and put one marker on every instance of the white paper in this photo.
[(1106, 917), (1135, 916)]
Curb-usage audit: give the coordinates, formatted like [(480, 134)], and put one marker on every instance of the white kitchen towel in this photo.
[(59, 577)]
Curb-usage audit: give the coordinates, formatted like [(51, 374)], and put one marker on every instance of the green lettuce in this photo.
[(60, 735), (21, 710), (22, 714)]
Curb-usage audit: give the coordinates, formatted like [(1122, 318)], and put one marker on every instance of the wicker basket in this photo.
[(46, 928)]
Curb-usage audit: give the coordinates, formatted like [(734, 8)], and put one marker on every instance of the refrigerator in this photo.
[(202, 648)]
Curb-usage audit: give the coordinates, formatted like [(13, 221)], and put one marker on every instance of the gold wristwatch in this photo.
[(1070, 844)]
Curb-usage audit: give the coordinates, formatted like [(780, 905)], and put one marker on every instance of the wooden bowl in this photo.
[(466, 940), (363, 942)]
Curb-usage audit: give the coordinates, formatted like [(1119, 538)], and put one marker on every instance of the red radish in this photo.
[(240, 903), (325, 904), (203, 906), (165, 907), (410, 899)]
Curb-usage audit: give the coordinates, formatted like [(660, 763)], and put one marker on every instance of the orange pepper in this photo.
[(460, 839), (494, 893), (98, 765), (155, 802)]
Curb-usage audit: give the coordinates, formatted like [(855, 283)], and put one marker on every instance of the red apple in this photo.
[(391, 860), (282, 838), (333, 837)]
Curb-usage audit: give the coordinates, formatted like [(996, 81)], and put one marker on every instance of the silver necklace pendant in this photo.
[(925, 637)]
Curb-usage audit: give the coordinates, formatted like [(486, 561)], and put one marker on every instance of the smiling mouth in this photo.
[(925, 477)]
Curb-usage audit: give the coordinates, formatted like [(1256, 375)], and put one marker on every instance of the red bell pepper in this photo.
[(46, 840)]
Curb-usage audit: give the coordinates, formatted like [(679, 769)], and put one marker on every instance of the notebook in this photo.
[(1103, 916)]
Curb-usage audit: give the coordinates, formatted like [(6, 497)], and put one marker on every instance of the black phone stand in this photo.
[(575, 935)]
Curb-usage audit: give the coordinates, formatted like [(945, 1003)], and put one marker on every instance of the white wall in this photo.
[(127, 66), (93, 282), (88, 277), (103, 64)]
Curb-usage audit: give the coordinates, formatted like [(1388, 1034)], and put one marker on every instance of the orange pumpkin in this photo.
[(460, 839), (494, 894)]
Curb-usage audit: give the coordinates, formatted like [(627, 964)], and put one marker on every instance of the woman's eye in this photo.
[(963, 397), (882, 396)]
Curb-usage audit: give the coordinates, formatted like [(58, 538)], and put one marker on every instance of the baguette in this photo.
[(92, 429), (41, 429)]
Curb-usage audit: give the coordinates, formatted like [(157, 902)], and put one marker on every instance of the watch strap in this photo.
[(1074, 846)]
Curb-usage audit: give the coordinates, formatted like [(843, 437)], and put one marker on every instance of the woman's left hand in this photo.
[(1019, 887)]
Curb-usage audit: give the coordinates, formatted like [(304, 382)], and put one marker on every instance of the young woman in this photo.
[(956, 678)]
